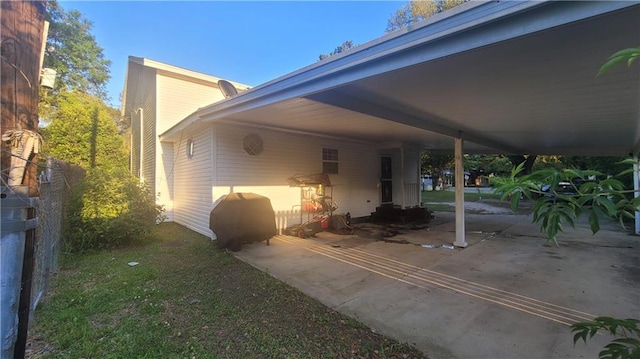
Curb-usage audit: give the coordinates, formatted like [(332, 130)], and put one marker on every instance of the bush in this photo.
[(109, 209)]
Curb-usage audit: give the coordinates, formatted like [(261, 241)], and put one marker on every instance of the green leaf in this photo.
[(628, 55), (570, 174), (515, 201), (594, 223), (588, 187), (609, 206), (629, 341), (580, 335), (628, 161), (591, 173), (564, 216), (629, 52), (612, 183)]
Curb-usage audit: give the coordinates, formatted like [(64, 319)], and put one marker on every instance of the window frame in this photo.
[(330, 160)]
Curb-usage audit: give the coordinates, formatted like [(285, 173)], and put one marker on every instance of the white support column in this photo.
[(419, 182), (459, 182), (636, 187)]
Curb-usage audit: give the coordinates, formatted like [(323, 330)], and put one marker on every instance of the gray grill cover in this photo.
[(242, 218)]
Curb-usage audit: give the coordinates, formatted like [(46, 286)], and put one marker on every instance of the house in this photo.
[(204, 162), (157, 96), (485, 77)]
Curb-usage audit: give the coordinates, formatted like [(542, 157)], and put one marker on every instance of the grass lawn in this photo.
[(436, 199), (188, 299)]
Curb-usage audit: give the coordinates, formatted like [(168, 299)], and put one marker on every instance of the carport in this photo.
[(486, 77)]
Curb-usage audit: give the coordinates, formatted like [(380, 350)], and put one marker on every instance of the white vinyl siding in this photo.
[(220, 165), (164, 179), (359, 171), (192, 201), (141, 110), (178, 98), (157, 97), (285, 155), (146, 108), (135, 142)]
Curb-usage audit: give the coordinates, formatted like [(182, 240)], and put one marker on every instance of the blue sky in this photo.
[(244, 41)]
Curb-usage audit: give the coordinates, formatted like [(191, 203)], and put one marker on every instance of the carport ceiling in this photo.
[(511, 77)]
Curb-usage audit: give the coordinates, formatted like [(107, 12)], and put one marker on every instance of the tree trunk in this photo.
[(528, 162), (434, 181)]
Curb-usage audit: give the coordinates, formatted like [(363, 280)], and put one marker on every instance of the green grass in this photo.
[(437, 199), (187, 299), (449, 196)]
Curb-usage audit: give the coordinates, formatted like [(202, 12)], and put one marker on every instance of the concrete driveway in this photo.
[(507, 295)]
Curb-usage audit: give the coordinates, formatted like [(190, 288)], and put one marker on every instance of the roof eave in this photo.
[(434, 39)]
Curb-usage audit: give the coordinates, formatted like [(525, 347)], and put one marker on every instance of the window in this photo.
[(329, 161), (190, 148), (252, 144)]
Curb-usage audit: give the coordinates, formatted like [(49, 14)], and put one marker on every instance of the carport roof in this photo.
[(509, 77)]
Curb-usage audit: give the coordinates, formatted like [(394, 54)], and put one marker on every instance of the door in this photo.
[(386, 184)]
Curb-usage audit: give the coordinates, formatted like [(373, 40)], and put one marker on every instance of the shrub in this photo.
[(109, 209)]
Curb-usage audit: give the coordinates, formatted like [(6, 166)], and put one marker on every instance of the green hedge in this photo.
[(109, 209)]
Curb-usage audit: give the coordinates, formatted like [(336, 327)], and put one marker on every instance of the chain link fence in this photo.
[(55, 183)]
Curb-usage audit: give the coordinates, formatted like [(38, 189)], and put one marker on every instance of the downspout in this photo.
[(131, 144), (140, 110)]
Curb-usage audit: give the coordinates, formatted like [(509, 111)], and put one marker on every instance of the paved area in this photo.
[(507, 295)]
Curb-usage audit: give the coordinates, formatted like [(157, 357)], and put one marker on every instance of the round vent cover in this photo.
[(252, 144)]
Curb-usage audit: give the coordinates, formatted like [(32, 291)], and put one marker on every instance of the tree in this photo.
[(342, 48), (84, 132), (418, 10), (73, 52), (435, 164), (109, 208), (609, 166), (593, 193), (413, 11), (527, 160), (496, 164), (626, 331), (603, 197)]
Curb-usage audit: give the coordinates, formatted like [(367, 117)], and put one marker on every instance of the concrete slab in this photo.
[(507, 295)]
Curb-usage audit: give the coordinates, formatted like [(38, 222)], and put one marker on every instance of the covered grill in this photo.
[(242, 218)]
